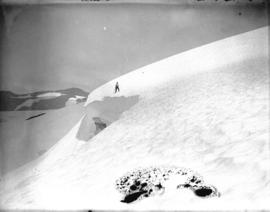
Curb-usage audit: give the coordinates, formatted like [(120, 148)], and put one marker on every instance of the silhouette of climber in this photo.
[(116, 89)]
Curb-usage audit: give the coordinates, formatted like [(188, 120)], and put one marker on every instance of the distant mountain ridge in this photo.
[(41, 100)]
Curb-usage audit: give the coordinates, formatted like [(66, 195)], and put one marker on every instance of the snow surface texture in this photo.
[(206, 109), (151, 181)]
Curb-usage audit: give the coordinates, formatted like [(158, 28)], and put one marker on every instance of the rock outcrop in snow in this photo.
[(100, 124), (147, 182)]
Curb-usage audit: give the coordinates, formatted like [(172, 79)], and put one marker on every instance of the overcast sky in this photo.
[(84, 45)]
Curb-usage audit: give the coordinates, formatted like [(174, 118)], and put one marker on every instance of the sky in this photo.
[(58, 46)]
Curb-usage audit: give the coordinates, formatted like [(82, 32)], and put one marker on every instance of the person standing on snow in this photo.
[(116, 88)]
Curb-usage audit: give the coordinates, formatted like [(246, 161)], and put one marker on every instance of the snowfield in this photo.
[(206, 110), (20, 145)]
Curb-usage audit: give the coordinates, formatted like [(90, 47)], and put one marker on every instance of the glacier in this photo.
[(206, 109)]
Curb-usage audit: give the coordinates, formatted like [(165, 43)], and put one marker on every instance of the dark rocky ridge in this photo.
[(9, 101)]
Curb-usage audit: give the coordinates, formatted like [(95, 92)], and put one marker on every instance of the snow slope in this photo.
[(23, 140), (206, 109)]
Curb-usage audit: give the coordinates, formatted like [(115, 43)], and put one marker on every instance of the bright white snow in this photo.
[(50, 95), (75, 99), (206, 109)]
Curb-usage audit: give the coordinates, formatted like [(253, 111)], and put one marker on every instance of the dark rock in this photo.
[(133, 187), (159, 186), (35, 116), (100, 124), (133, 197), (203, 191)]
